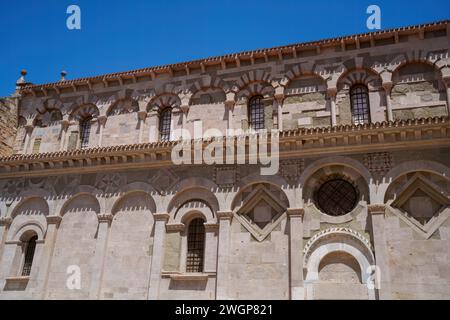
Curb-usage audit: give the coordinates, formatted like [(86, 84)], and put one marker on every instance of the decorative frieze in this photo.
[(226, 176)]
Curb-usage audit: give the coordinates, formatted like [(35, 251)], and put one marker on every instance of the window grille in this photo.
[(29, 255), (359, 96), (196, 246), (256, 113), (337, 197), (164, 124), (85, 132)]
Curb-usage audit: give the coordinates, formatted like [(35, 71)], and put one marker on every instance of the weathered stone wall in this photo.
[(8, 125)]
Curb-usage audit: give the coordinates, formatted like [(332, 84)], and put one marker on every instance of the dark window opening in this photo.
[(359, 96), (196, 246), (85, 132), (337, 197), (256, 113), (164, 124), (29, 255)]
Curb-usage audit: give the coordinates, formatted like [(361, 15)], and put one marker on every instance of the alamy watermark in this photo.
[(73, 21), (235, 146)]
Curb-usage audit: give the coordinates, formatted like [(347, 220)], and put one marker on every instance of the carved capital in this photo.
[(376, 209), (142, 115), (175, 227), (105, 218), (54, 220), (295, 212), (332, 92), (5, 221), (161, 217), (184, 108), (388, 87), (211, 227), (225, 215), (64, 124), (102, 120), (230, 104)]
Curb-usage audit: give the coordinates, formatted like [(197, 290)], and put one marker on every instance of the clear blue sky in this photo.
[(129, 34)]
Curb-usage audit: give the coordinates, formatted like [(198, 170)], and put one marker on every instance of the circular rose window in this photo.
[(337, 197)]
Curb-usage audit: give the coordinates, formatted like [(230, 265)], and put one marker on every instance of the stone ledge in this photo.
[(175, 276), (16, 283)]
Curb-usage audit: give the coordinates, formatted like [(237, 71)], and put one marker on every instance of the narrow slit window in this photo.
[(85, 132), (164, 124), (196, 246), (29, 255)]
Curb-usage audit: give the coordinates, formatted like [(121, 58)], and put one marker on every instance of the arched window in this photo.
[(359, 96), (196, 246), (55, 115), (256, 113), (30, 247), (165, 118), (85, 132)]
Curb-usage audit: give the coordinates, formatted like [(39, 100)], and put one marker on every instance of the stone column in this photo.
[(5, 222), (447, 83), (64, 127), (28, 131), (377, 214), (229, 105), (210, 258), (296, 253), (331, 92), (47, 254), (101, 123), (98, 263), (153, 124), (184, 114), (388, 88), (223, 249), (158, 255), (142, 115), (280, 99)]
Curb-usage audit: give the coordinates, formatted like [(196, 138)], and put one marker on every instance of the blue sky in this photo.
[(128, 34)]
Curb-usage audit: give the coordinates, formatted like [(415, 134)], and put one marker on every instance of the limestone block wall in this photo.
[(8, 125), (116, 255), (407, 76)]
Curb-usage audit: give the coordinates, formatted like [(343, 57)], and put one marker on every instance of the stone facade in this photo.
[(8, 125), (89, 181)]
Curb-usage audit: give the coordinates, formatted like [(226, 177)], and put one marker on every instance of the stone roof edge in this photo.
[(301, 132), (234, 55)]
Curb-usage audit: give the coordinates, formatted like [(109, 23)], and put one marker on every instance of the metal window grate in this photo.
[(360, 104), (337, 197), (196, 246), (256, 113), (164, 124), (85, 132), (29, 255)]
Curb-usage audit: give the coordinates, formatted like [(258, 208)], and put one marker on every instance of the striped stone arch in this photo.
[(254, 76), (192, 209), (207, 82), (50, 104), (417, 56), (365, 76), (162, 101), (85, 110), (300, 70), (253, 89)]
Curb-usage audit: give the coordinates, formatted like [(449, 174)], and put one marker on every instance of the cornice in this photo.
[(398, 135), (152, 72)]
